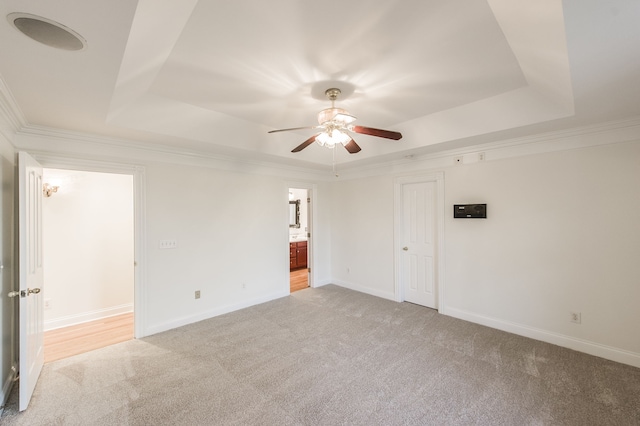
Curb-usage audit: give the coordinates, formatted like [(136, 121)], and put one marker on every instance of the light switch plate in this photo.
[(168, 244)]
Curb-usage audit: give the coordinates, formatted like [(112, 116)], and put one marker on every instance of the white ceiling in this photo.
[(215, 76)]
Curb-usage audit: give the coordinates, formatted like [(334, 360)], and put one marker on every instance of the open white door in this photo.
[(31, 275)]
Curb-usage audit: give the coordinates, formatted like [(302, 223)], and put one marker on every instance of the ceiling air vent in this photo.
[(47, 32)]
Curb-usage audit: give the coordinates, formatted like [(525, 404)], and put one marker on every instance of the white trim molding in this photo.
[(179, 322), (416, 161), (49, 160), (313, 215), (83, 317), (580, 345), (10, 113), (7, 385), (72, 144), (140, 252), (365, 290)]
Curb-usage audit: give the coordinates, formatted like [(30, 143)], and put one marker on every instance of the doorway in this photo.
[(88, 232), (299, 238), (419, 239)]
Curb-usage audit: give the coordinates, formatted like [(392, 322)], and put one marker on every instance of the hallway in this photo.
[(77, 339)]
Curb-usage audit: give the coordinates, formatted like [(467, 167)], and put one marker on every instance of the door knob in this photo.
[(405, 248), (24, 293)]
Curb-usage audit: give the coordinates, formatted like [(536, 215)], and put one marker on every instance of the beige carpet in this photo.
[(331, 356)]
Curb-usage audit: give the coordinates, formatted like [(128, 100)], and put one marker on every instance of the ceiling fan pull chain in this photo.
[(334, 161)]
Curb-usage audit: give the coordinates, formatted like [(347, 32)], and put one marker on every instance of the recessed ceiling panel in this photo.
[(404, 59)]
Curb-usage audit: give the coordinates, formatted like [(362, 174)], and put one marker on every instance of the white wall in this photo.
[(321, 238), (232, 242), (561, 235), (231, 229), (88, 246), (230, 226), (362, 235)]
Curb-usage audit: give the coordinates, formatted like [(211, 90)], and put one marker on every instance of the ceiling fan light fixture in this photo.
[(331, 139), (335, 123), (344, 117), (330, 114)]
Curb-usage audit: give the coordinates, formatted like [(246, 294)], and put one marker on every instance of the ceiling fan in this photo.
[(335, 123)]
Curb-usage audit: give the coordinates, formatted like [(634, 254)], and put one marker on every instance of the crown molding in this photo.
[(71, 144), (607, 133), (11, 117), (78, 145)]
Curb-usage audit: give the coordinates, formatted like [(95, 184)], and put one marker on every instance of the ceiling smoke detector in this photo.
[(47, 32)]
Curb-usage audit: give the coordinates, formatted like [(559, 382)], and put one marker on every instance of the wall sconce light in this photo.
[(47, 189)]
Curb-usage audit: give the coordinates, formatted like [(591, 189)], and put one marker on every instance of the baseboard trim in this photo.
[(83, 317), (580, 345), (169, 325), (7, 385), (366, 290), (320, 283)]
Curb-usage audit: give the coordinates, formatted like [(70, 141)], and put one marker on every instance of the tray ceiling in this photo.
[(216, 76)]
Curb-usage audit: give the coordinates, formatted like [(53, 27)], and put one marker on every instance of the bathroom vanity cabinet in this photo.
[(297, 255)]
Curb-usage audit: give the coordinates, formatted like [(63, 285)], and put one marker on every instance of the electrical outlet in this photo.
[(481, 156), (197, 294), (168, 244), (458, 160), (575, 317), (47, 304), (244, 286)]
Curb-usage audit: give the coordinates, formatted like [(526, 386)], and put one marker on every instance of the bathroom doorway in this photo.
[(299, 238)]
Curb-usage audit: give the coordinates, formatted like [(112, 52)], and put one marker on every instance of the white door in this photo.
[(309, 236), (31, 276), (418, 243)]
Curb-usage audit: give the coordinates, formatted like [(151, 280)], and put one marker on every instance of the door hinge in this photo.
[(309, 270), (308, 199)]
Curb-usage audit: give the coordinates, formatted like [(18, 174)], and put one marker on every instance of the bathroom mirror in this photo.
[(294, 214)]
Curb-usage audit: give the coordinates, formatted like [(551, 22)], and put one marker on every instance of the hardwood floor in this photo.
[(76, 339), (299, 279), (68, 341)]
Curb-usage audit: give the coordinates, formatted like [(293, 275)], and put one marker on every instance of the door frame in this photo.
[(312, 190), (399, 182), (139, 232)]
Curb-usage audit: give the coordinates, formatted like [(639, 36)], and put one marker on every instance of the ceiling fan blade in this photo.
[(352, 147), (305, 144), (376, 132), (293, 128)]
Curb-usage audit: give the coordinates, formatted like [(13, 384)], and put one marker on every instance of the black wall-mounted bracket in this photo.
[(470, 211)]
